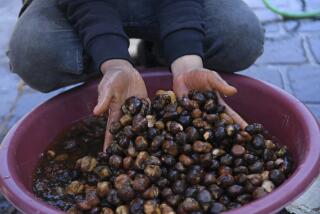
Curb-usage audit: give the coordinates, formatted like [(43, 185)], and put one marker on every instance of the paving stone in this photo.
[(302, 26), (304, 82), (291, 25), (283, 51), (255, 4), (24, 104), (8, 91), (29, 100), (308, 26), (270, 75), (312, 5), (267, 16), (3, 133), (315, 109), (295, 5), (9, 11), (309, 202), (5, 207), (271, 27), (8, 82), (314, 43)]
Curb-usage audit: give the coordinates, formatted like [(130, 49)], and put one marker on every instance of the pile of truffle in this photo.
[(178, 155)]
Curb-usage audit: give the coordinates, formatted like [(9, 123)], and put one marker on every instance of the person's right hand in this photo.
[(189, 74), (120, 81)]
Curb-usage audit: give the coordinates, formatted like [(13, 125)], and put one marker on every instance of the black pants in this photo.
[(47, 53)]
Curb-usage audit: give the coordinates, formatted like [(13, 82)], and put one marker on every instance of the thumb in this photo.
[(219, 84), (104, 100), (232, 113), (114, 115), (180, 88)]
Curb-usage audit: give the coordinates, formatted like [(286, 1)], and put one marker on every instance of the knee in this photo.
[(34, 56), (26, 60), (236, 44)]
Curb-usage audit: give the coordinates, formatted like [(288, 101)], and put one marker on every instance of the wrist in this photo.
[(186, 63), (119, 64)]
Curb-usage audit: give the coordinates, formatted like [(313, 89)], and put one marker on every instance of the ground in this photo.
[(291, 61)]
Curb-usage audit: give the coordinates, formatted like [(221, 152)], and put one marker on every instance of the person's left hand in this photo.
[(120, 81), (189, 74)]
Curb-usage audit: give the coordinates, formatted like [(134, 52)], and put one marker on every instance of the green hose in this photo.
[(292, 15)]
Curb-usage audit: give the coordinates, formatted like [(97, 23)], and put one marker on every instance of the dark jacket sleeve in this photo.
[(181, 27), (99, 27)]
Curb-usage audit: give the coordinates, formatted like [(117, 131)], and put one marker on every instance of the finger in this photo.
[(197, 80), (219, 84), (114, 115), (107, 140), (179, 86), (180, 90), (233, 114), (103, 103), (148, 100)]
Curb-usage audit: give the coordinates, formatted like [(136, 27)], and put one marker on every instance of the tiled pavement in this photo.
[(291, 60)]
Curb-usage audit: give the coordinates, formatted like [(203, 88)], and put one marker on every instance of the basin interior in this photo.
[(254, 102)]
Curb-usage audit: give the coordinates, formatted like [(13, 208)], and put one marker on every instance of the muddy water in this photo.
[(56, 167)]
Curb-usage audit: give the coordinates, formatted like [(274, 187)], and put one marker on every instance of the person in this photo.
[(57, 43)]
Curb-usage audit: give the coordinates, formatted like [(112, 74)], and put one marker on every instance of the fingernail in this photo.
[(95, 110)]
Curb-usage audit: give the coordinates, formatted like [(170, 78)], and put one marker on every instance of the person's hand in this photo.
[(189, 74), (120, 81)]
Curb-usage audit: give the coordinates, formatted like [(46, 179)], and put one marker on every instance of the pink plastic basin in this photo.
[(283, 115)]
